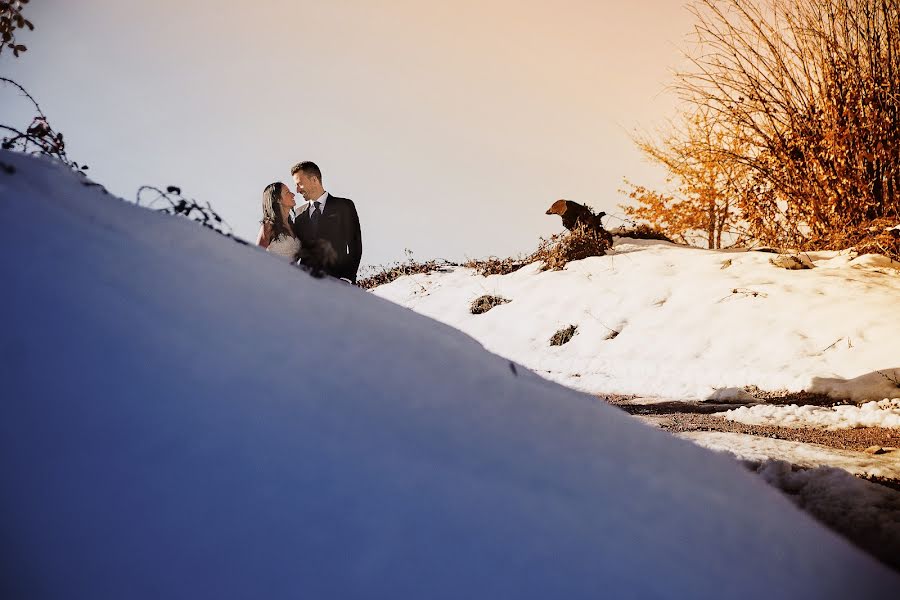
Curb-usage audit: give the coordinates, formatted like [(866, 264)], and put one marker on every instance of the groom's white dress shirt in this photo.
[(321, 200)]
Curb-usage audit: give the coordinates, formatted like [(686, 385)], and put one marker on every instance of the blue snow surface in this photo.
[(187, 417)]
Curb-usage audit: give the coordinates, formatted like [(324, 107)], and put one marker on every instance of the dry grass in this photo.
[(582, 242), (554, 252), (482, 304), (497, 266), (873, 237), (641, 232), (387, 274), (563, 336)]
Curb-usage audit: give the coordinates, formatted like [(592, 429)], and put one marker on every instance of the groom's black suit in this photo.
[(339, 226)]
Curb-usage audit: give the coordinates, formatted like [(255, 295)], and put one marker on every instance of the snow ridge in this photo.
[(883, 413), (186, 417), (656, 319)]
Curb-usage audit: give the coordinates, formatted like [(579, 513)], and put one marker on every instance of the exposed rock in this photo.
[(791, 262)]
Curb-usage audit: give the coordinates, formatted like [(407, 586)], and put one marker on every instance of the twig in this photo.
[(177, 204), (832, 345), (893, 379), (745, 292)]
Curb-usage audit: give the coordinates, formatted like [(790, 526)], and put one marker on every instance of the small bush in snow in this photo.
[(382, 274), (172, 202), (482, 304), (641, 232), (554, 252), (582, 242), (564, 335), (497, 266)]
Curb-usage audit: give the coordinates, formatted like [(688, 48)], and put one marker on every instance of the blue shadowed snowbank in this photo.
[(186, 417)]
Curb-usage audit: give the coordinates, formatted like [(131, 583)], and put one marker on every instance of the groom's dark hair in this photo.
[(309, 169)]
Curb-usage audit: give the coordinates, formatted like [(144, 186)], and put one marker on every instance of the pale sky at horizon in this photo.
[(452, 127)]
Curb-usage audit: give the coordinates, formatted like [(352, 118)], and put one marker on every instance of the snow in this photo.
[(867, 513), (883, 413), (187, 417), (691, 322), (751, 447)]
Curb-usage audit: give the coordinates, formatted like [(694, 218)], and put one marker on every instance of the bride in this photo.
[(277, 232)]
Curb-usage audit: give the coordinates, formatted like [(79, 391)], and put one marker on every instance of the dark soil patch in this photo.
[(681, 417)]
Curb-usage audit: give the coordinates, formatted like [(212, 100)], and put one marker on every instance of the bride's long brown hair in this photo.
[(271, 205)]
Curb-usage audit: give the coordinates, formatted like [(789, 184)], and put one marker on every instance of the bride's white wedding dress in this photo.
[(286, 246)]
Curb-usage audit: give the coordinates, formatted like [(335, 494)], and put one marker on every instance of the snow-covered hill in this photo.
[(656, 319), (186, 417)]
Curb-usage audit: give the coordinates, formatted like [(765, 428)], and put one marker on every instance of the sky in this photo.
[(452, 126)]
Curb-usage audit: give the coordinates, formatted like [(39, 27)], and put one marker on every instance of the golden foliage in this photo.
[(703, 205), (791, 132)]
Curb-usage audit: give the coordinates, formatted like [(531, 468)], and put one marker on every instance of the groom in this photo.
[(326, 219)]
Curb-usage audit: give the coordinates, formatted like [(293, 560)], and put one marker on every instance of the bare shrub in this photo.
[(11, 20), (641, 231), (582, 242), (497, 266), (879, 236), (799, 117), (482, 304), (563, 336), (39, 138), (385, 274), (389, 273), (554, 252), (172, 202)]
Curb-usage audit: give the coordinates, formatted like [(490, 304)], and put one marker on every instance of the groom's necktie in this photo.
[(314, 217)]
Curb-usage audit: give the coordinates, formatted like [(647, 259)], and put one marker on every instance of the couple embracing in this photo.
[(324, 236)]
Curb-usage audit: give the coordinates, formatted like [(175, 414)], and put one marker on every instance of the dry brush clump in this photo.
[(880, 236), (790, 129), (39, 138), (482, 304), (579, 243), (554, 252), (497, 266), (564, 335), (641, 231), (387, 274)]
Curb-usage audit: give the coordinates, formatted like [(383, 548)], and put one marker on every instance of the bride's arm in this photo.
[(264, 233)]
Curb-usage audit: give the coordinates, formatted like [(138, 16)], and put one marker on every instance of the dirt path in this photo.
[(680, 417)]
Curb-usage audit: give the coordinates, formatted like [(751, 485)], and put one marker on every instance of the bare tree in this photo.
[(804, 100), (705, 203)]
